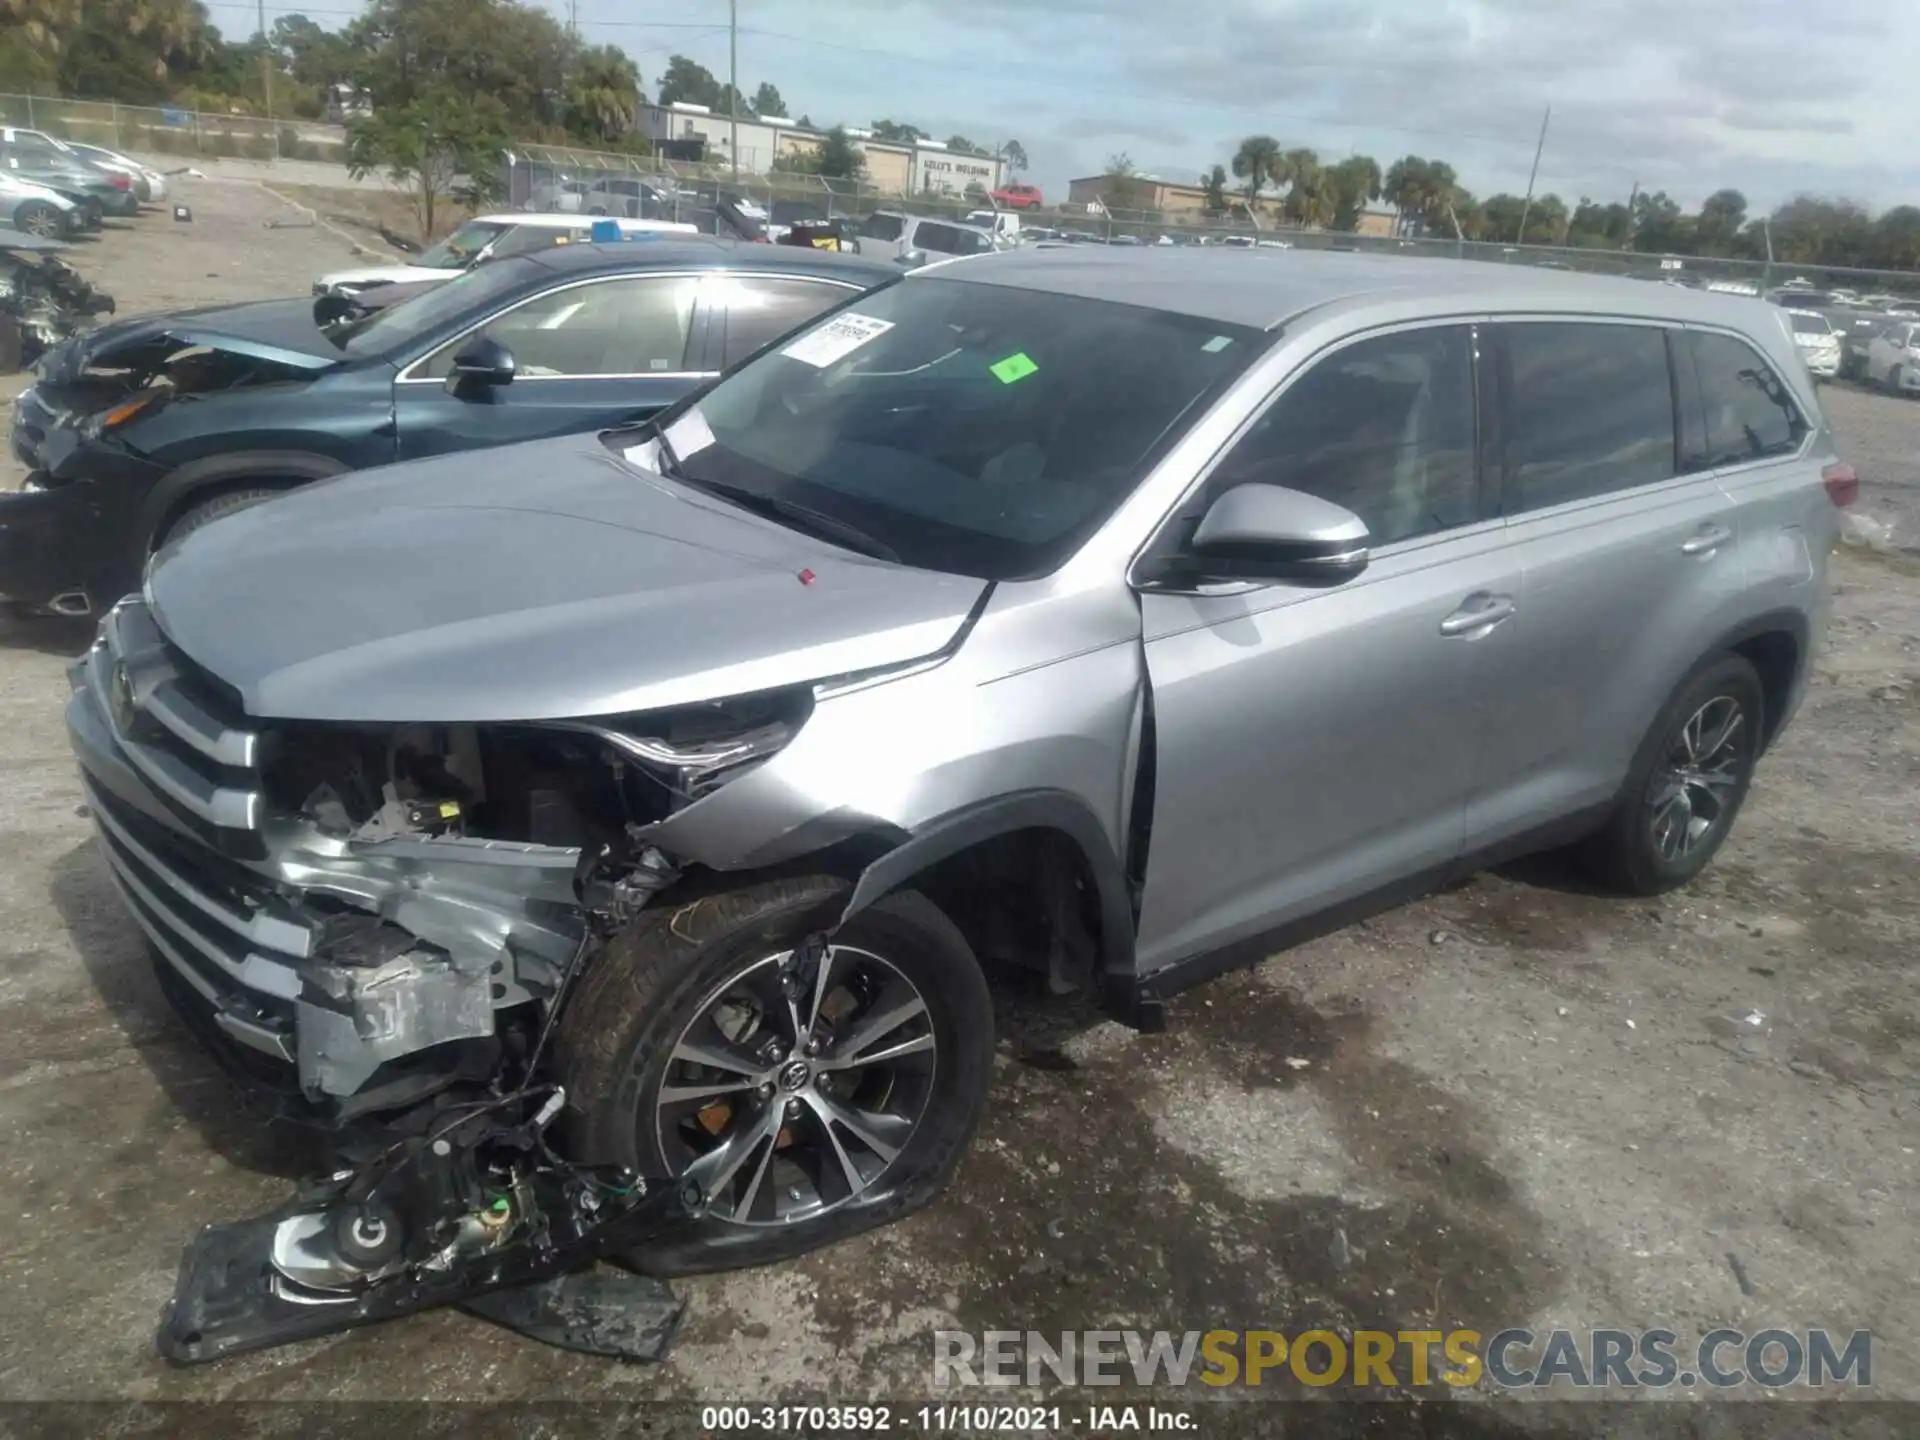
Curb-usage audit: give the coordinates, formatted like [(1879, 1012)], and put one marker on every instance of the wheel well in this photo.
[(212, 490), (1776, 656), (1026, 898)]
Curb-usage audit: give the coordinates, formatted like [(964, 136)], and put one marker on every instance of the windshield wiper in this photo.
[(773, 507)]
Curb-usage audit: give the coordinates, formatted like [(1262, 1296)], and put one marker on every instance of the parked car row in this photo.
[(52, 189), (624, 817)]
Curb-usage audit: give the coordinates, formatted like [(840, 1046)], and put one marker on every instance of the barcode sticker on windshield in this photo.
[(836, 340)]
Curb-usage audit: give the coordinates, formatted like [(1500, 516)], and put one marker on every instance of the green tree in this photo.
[(767, 101), (1120, 184), (1256, 164), (961, 145), (1214, 182), (515, 54), (840, 158), (603, 94), (688, 82), (1307, 202), (1015, 154), (1722, 216), (1595, 226), (896, 133), (311, 55), (1351, 185), (443, 145), (1896, 239)]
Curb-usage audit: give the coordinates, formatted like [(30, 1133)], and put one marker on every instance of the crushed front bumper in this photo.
[(333, 964)]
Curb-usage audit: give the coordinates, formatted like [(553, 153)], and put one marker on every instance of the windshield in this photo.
[(398, 326), (1811, 325), (878, 226), (968, 428), (456, 252)]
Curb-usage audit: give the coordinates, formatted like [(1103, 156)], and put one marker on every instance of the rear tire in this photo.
[(205, 512), (689, 974), (1687, 782)]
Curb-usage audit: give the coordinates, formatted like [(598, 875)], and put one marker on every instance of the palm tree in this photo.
[(1255, 162), (603, 92), (1214, 182), (1305, 199), (172, 29)]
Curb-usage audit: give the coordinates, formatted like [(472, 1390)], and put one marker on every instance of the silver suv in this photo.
[(1117, 614)]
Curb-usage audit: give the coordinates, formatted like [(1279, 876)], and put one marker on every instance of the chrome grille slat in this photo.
[(267, 932), (135, 674)]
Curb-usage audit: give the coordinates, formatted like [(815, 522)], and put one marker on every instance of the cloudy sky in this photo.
[(1771, 96)]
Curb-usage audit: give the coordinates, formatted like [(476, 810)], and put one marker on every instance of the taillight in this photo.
[(120, 182), (1843, 486)]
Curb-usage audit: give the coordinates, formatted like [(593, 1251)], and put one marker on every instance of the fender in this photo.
[(177, 486), (1793, 623), (1003, 815)]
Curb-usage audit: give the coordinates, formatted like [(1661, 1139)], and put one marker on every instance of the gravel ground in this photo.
[(1513, 1103)]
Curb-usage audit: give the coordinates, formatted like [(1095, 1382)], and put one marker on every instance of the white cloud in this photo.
[(1771, 96)]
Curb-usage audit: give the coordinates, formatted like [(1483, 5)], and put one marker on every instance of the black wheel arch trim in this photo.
[(1795, 625), (1055, 810)]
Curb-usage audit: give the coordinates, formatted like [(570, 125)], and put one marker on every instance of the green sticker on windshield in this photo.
[(1014, 367)]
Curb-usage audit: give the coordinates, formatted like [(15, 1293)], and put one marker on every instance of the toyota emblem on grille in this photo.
[(120, 698)]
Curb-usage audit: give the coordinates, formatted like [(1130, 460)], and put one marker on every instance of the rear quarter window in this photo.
[(1750, 414)]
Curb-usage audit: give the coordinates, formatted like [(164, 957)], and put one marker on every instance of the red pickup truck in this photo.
[(1018, 197)]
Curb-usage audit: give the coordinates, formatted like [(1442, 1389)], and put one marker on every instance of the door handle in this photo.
[(1478, 613), (1706, 540)]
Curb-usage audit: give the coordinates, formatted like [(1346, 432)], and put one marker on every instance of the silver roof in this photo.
[(1265, 288)]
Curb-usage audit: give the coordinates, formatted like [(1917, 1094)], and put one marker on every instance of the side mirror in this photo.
[(481, 363), (1268, 532)]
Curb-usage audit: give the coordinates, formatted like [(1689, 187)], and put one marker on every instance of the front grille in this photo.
[(32, 419), (183, 734)]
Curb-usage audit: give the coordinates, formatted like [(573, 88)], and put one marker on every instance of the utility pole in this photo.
[(266, 61), (1532, 175), (733, 83), (573, 18), (1633, 198)]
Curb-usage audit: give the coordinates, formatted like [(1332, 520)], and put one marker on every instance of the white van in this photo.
[(1003, 225)]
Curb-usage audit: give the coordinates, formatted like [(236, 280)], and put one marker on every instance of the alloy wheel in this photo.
[(797, 1084), (1693, 791), (43, 224)]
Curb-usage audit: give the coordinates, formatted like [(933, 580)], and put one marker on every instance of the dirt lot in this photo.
[(1512, 1104)]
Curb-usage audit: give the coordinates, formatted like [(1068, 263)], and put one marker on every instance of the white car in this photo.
[(35, 210), (487, 237), (1893, 358), (1819, 345)]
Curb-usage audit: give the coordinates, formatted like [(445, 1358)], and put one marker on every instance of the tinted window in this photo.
[(762, 310), (1749, 412), (882, 227), (1589, 411), (968, 428), (942, 239), (1384, 427), (616, 327), (1811, 325)]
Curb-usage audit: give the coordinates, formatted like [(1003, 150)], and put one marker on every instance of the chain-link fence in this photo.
[(163, 130), (652, 187)]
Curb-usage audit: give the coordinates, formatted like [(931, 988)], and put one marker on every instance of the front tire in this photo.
[(686, 1052), (1687, 783), (205, 512)]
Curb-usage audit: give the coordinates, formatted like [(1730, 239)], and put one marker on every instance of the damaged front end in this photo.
[(45, 302), (376, 928)]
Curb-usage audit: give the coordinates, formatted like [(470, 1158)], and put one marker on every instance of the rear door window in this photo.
[(1589, 411), (1750, 413), (761, 309)]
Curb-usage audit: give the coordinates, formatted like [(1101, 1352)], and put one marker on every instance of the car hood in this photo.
[(384, 275), (544, 581), (281, 331)]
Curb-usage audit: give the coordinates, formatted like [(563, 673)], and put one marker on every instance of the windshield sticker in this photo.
[(1217, 344), (689, 435), (836, 340), (1016, 366)]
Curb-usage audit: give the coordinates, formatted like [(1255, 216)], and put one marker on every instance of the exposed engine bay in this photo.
[(43, 302), (458, 881)]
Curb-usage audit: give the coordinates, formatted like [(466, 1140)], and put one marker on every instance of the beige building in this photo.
[(1145, 193), (924, 168)]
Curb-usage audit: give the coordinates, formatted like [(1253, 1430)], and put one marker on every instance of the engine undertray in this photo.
[(229, 1298)]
